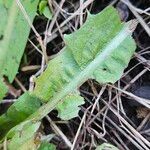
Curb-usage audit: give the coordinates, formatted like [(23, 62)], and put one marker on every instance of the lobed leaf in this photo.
[(94, 51), (100, 49)]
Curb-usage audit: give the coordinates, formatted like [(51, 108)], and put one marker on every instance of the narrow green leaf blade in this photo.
[(14, 31), (18, 112)]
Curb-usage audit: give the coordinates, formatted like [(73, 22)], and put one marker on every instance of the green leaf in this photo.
[(14, 31), (47, 13), (18, 112), (69, 108), (23, 136), (3, 89), (101, 49), (44, 9), (42, 6), (106, 146), (47, 146)]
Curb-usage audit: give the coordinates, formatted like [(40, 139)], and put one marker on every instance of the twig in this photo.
[(7, 101), (139, 18), (78, 131), (34, 30), (143, 122), (98, 98), (30, 68), (81, 12), (142, 101), (35, 46), (55, 17), (20, 84), (136, 133), (85, 4), (59, 132)]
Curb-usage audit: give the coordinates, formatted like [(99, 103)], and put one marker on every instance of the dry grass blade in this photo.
[(139, 18)]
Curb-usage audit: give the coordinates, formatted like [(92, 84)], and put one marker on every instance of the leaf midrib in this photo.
[(83, 76)]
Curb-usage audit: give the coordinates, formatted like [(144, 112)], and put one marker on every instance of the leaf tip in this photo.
[(132, 24)]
